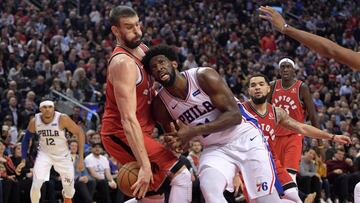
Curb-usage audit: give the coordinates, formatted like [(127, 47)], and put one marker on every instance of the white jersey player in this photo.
[(204, 107), (53, 150)]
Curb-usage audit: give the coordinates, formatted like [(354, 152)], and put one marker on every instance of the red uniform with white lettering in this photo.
[(288, 144), (267, 123), (113, 135)]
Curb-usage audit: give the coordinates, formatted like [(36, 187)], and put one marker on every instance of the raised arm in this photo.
[(123, 75), (67, 123), (319, 44), (287, 122)]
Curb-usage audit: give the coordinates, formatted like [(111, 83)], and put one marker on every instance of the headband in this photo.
[(288, 61), (47, 103)]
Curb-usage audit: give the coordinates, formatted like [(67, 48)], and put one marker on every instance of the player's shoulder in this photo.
[(122, 60), (206, 74)]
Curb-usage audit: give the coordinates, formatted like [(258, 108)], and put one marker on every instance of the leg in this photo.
[(316, 187), (213, 193), (103, 193), (181, 186), (357, 193), (292, 194), (273, 197), (35, 193), (82, 192), (41, 173), (292, 154), (65, 168)]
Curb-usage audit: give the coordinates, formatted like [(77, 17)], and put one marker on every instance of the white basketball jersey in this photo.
[(197, 109), (52, 139)]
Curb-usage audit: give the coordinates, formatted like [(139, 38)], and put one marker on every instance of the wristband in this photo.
[(333, 137)]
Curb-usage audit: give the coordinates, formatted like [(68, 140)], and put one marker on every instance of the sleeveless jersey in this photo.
[(289, 100), (52, 139), (111, 121), (267, 122), (197, 109)]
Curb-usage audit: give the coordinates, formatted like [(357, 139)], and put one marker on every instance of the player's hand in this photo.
[(184, 132), (80, 165), (342, 139), (271, 15), (237, 184), (112, 184), (145, 178)]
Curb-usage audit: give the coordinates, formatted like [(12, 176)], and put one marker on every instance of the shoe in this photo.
[(67, 200)]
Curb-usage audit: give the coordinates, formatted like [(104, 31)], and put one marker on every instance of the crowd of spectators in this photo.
[(64, 46)]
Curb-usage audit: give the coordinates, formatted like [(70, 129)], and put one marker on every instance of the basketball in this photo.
[(128, 174)]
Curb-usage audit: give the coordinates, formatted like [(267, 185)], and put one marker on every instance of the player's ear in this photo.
[(115, 31), (174, 64)]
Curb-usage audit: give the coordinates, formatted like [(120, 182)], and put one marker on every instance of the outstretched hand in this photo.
[(342, 139), (177, 139), (271, 15)]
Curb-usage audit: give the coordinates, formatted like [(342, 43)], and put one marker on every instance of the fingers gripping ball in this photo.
[(128, 174)]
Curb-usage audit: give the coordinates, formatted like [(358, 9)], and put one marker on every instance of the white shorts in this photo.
[(62, 164), (249, 154)]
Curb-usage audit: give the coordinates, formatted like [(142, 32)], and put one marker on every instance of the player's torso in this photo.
[(267, 121), (197, 109), (289, 100), (52, 139), (144, 94)]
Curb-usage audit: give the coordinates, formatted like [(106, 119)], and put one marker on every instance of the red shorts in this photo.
[(162, 159), (285, 179), (288, 150)]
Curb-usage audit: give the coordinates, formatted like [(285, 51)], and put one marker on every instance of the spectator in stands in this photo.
[(13, 111), (74, 92), (76, 116), (99, 170), (309, 180), (194, 158), (84, 184), (338, 171)]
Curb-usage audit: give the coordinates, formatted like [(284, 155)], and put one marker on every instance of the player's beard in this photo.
[(260, 100), (132, 44), (171, 80)]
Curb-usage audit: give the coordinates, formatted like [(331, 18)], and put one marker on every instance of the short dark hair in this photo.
[(259, 75), (161, 49), (121, 12)]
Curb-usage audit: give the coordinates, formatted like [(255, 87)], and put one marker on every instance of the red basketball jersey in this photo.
[(267, 121), (289, 100), (111, 121)]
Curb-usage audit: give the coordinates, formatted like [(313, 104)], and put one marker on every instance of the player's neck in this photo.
[(180, 87), (260, 108), (286, 83)]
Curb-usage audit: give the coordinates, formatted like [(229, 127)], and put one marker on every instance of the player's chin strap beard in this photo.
[(260, 100)]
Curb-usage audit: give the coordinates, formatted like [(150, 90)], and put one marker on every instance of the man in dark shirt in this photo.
[(338, 172)]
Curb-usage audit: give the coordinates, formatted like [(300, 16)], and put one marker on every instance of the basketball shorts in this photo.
[(288, 150), (248, 153), (62, 164), (162, 160)]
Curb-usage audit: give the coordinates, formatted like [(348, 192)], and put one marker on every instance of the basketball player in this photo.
[(319, 44), (127, 124), (269, 117), (199, 98), (50, 126), (294, 97)]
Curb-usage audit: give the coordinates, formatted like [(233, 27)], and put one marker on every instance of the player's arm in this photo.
[(30, 131), (222, 99), (287, 122), (319, 44), (67, 123), (272, 87), (309, 105), (160, 114), (123, 76)]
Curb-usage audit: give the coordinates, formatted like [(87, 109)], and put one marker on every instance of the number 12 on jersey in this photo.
[(50, 141)]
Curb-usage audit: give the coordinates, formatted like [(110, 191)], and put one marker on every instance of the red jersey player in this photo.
[(127, 125), (270, 118), (294, 97)]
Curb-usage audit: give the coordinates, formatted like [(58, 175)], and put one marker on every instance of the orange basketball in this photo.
[(128, 174)]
